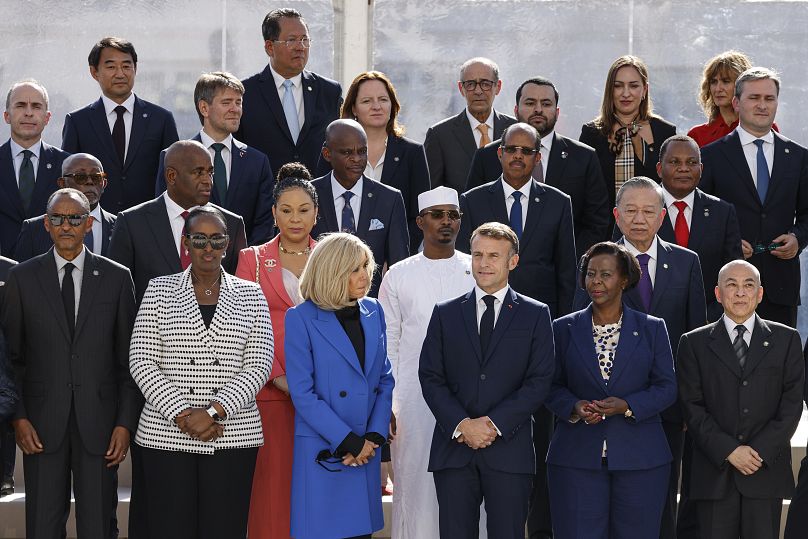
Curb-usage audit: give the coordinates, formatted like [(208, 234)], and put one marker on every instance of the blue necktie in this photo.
[(348, 222), (762, 172), (88, 240), (219, 172), (644, 287), (290, 110), (516, 213)]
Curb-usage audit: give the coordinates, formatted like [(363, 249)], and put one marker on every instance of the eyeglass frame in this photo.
[(471, 84), (304, 42), (511, 149), (76, 175), (208, 240), (81, 217), (327, 457), (443, 213)]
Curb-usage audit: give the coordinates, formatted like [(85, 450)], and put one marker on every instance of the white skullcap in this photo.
[(436, 197)]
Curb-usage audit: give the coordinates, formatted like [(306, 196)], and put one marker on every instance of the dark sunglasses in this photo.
[(73, 220), (522, 149), (200, 241), (87, 179), (327, 457), (454, 215)]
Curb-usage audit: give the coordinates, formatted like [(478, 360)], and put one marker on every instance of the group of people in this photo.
[(526, 321)]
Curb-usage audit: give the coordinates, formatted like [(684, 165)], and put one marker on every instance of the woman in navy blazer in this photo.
[(341, 384), (609, 461)]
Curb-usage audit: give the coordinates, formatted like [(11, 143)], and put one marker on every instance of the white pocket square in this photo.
[(375, 224)]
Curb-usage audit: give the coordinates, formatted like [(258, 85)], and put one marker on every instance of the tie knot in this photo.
[(347, 195), (489, 300), (759, 143), (217, 147), (69, 268), (184, 214), (517, 195), (288, 84), (643, 259), (741, 329), (27, 154), (680, 205), (483, 128), (119, 110)]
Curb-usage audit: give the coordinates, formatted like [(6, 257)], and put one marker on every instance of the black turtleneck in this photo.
[(349, 320)]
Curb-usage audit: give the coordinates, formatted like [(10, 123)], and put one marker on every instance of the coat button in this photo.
[(343, 394), (746, 410), (740, 437), (216, 362), (482, 377), (193, 362), (745, 383), (191, 391)]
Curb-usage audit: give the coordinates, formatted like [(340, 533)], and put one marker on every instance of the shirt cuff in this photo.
[(456, 432), (499, 433)]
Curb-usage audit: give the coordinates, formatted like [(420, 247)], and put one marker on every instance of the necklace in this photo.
[(305, 251), (208, 289)]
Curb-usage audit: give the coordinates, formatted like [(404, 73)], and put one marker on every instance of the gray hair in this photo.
[(640, 182), (80, 197), (756, 73), (29, 82), (480, 60), (744, 264)]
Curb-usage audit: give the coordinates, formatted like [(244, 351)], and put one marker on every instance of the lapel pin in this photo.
[(706, 213), (765, 343), (665, 266), (395, 159), (145, 114), (510, 306), (787, 150), (48, 166), (242, 153), (95, 272), (308, 88), (3, 283), (270, 262), (564, 155), (536, 199), (467, 273), (370, 195), (636, 334)]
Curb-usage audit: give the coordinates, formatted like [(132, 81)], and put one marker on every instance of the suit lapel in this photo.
[(47, 172), (98, 119), (370, 327), (626, 345), (310, 91), (329, 327), (49, 281), (140, 118), (189, 306), (758, 346), (500, 123), (107, 224), (462, 132), (556, 162), (496, 198), (368, 207), (163, 236), (326, 212), (469, 309), (781, 164), (509, 308), (8, 181), (699, 220), (735, 156), (392, 157), (238, 156), (663, 274), (535, 206), (274, 274), (582, 337), (90, 283), (722, 347), (631, 297), (270, 93)]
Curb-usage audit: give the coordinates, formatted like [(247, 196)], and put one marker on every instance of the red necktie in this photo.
[(680, 229), (185, 256)]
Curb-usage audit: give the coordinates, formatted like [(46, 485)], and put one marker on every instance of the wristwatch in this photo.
[(628, 414), (213, 413)]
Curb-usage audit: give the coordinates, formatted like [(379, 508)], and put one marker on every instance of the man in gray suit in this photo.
[(68, 317), (450, 144)]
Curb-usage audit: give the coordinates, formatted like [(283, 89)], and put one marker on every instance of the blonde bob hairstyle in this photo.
[(325, 278)]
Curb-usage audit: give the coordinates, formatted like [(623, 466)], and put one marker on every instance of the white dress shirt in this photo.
[(16, 152), (673, 211), (78, 273), (339, 203), (474, 122), (375, 172), (112, 116), (509, 200), (499, 297), (652, 252), (98, 229), (175, 219), (546, 148), (749, 324), (227, 156), (750, 150), (297, 92)]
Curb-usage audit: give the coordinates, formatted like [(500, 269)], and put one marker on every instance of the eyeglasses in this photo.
[(524, 151), (303, 41), (87, 179), (73, 220), (453, 215), (326, 456), (471, 85), (200, 241)]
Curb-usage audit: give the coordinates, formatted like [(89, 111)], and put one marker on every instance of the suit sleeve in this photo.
[(780, 428), (476, 173), (379, 421), (14, 331), (434, 157), (70, 136), (120, 245), (597, 212), (696, 301), (448, 411), (800, 228), (463, 242), (24, 249), (660, 391), (160, 181), (398, 241), (565, 261), (130, 400), (516, 410), (263, 221)]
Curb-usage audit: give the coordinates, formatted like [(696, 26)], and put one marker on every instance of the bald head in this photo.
[(346, 148), (85, 173), (343, 128), (79, 162), (188, 173), (181, 150)]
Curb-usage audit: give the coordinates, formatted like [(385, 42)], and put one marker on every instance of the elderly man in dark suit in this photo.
[(765, 175), (83, 172), (68, 317), (741, 386), (286, 107), (351, 202), (8, 399), (242, 177), (28, 166), (124, 132), (450, 144), (797, 521), (566, 164)]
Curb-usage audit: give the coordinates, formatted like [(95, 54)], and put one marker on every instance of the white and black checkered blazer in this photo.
[(179, 363)]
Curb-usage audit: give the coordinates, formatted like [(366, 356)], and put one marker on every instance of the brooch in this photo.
[(564, 155), (270, 263)]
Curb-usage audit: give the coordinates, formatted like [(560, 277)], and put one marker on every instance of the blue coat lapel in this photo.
[(331, 330), (535, 206), (510, 306), (238, 158), (499, 211), (665, 267), (370, 327), (582, 337), (310, 91), (626, 345), (368, 207)]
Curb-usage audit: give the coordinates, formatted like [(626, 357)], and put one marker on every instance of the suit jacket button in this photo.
[(343, 394), (74, 357), (740, 437), (746, 410), (123, 178), (216, 362), (745, 383), (482, 377), (193, 362), (191, 391)]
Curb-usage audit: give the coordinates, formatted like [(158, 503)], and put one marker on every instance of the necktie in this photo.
[(762, 172), (483, 129), (88, 240), (739, 345), (348, 220), (27, 180), (290, 110), (69, 297), (119, 133), (516, 214), (644, 287), (185, 256), (219, 172), (538, 170), (487, 323), (680, 229)]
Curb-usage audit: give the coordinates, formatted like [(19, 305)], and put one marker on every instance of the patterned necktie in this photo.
[(644, 287), (290, 110), (348, 220), (27, 179), (516, 214), (69, 297), (739, 345), (680, 229), (762, 172), (185, 256), (483, 129), (89, 240), (487, 323), (119, 133), (219, 173)]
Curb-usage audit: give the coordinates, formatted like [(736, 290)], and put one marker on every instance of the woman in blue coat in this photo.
[(341, 384), (609, 461)]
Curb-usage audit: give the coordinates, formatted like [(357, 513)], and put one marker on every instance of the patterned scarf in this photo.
[(623, 149)]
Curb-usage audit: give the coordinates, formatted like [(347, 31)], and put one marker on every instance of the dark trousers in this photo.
[(539, 524), (797, 522), (8, 450), (687, 522), (460, 492), (738, 516), (785, 314), (193, 496), (47, 489), (138, 523), (604, 504), (676, 437)]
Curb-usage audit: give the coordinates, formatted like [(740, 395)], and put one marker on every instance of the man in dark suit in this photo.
[(350, 202), (8, 399), (797, 521), (124, 132), (671, 288), (450, 144), (83, 172), (286, 108), (486, 365), (765, 175), (68, 317), (741, 386), (566, 164), (242, 177), (28, 166)]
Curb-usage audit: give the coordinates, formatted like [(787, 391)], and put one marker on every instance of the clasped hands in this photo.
[(198, 424), (745, 459), (595, 411), (368, 452), (477, 433)]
